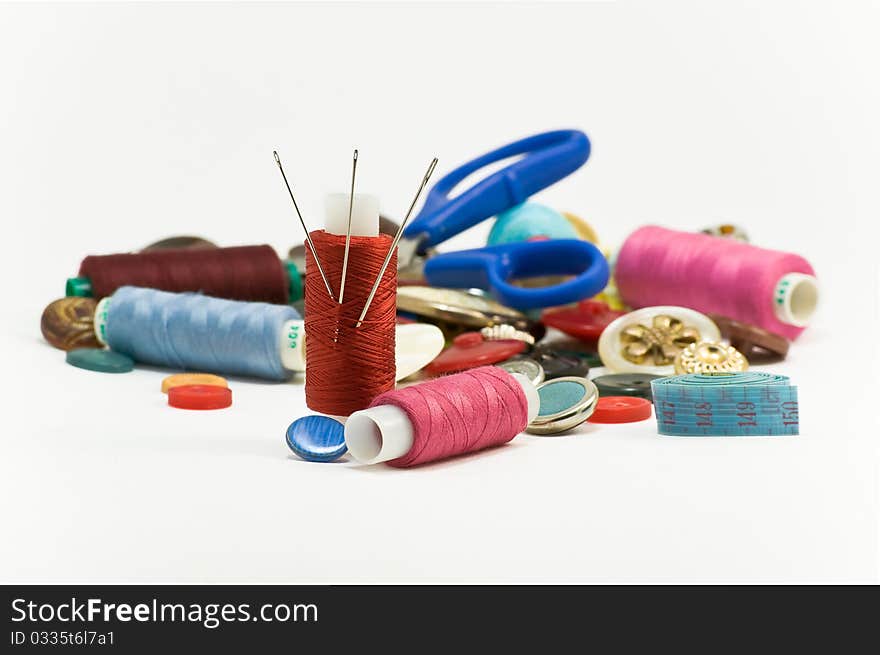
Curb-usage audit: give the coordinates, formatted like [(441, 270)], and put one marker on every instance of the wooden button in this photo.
[(69, 323)]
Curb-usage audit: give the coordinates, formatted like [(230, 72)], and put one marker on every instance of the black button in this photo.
[(625, 384)]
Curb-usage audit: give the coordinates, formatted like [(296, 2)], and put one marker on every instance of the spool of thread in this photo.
[(349, 365), (252, 273), (774, 290), (189, 331), (447, 416), (416, 344)]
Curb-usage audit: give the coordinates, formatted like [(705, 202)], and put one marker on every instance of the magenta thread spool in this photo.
[(774, 290), (447, 416)]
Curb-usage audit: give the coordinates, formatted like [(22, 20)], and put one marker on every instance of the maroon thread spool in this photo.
[(253, 273)]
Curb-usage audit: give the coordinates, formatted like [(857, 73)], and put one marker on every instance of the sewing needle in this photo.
[(354, 163), (395, 241), (303, 223)]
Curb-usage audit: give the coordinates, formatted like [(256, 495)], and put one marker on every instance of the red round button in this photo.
[(621, 409), (469, 350), (199, 396), (586, 321)]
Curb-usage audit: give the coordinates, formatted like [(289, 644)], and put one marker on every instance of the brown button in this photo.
[(182, 242), (757, 344), (69, 323)]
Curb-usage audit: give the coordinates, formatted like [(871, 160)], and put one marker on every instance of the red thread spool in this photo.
[(252, 273), (348, 366)]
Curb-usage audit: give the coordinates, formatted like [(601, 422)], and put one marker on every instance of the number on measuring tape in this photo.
[(742, 404)]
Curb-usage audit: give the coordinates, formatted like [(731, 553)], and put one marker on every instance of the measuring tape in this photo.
[(738, 404)]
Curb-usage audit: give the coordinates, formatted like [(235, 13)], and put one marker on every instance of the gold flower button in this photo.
[(649, 339), (658, 344)]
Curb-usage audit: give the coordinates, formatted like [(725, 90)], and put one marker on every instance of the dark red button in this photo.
[(199, 396), (586, 321), (469, 350), (620, 409)]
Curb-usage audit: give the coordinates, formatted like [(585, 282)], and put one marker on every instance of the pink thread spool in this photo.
[(774, 290), (447, 416)]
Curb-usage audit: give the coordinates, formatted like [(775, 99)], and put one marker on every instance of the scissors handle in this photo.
[(493, 267), (549, 157)]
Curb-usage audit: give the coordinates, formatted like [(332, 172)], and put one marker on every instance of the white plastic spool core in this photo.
[(795, 299), (384, 432), (378, 434), (292, 345), (100, 320), (364, 214)]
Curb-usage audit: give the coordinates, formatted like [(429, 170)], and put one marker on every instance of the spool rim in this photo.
[(795, 299), (378, 434)]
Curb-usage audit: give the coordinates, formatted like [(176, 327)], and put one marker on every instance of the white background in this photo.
[(123, 124)]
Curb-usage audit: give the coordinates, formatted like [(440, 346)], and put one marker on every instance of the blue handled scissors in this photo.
[(546, 158)]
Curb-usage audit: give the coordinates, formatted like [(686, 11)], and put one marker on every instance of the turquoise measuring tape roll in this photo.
[(738, 404)]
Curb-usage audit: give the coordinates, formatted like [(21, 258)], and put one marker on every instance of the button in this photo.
[(525, 366), (585, 230), (199, 396), (97, 359), (69, 323), (416, 346), (499, 332), (585, 321), (621, 409), (565, 404), (710, 358), (178, 243), (727, 231), (625, 384), (469, 350), (458, 307), (184, 379), (756, 344), (317, 438), (557, 363), (649, 339)]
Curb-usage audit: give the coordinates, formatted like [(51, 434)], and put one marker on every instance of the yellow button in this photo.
[(181, 379), (584, 230)]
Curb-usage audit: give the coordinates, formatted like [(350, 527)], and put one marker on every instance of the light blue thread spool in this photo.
[(189, 331), (529, 220)]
